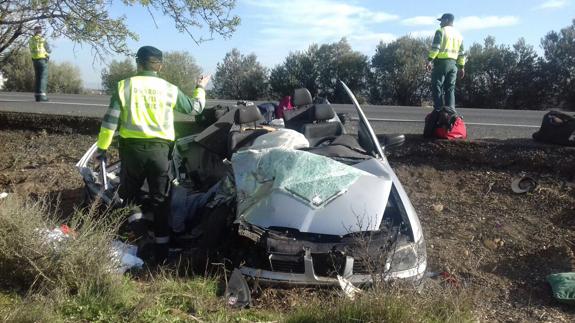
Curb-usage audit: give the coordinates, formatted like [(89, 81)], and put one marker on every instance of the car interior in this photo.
[(204, 156)]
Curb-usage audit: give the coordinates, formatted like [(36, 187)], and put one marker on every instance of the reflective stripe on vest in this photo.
[(37, 48), (450, 43), (147, 107)]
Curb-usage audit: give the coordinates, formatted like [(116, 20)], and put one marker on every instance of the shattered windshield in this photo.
[(314, 179)]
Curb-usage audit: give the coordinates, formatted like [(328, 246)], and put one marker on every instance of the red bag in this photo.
[(457, 131), (285, 104)]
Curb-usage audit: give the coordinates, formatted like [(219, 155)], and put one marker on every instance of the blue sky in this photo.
[(273, 28)]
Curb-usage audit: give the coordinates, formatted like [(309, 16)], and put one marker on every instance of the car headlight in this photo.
[(405, 256)]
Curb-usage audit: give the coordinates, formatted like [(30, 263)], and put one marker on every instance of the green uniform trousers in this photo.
[(147, 160), (443, 79), (41, 74)]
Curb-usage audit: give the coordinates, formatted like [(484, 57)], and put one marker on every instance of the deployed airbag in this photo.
[(281, 138)]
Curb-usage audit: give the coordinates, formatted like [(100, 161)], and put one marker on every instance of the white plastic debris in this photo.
[(125, 255), (3, 195), (348, 289), (55, 236), (279, 123)]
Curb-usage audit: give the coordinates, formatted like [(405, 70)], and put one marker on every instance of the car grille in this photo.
[(288, 266), (360, 267), (328, 265)]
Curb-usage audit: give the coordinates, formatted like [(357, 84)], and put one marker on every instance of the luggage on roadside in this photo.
[(557, 128), (444, 125), (456, 130)]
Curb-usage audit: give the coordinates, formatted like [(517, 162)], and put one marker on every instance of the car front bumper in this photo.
[(309, 277)]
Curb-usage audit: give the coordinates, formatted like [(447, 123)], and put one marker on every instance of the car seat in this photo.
[(243, 136), (294, 119), (320, 127)]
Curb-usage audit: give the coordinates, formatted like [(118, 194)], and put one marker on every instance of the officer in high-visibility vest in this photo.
[(142, 110), (446, 58), (40, 51)]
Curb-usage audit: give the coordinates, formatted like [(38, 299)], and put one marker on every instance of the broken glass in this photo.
[(312, 178)]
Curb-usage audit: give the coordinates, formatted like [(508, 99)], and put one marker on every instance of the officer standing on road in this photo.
[(40, 51), (142, 108), (446, 57)]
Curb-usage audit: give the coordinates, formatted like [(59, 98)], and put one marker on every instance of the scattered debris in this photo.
[(437, 207), (490, 244), (563, 285), (238, 294), (348, 289), (523, 184), (56, 236), (125, 256), (446, 278)]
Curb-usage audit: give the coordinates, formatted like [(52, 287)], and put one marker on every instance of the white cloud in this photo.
[(298, 23), (474, 22), (552, 4), (422, 33), (464, 23), (420, 21)]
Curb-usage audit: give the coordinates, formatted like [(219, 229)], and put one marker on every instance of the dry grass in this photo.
[(392, 303), (71, 282)]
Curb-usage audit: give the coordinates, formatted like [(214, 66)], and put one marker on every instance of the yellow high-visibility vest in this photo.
[(147, 108), (37, 47), (450, 46)]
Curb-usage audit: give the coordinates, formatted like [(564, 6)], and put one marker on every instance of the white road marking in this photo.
[(468, 123), (57, 102), (503, 125), (74, 103)]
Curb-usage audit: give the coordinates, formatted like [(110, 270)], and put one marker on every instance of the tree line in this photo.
[(497, 76)]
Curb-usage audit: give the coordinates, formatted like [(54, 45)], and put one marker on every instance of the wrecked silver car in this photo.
[(302, 202)]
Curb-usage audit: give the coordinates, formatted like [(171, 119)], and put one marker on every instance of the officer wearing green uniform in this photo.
[(40, 51), (142, 110), (446, 56)]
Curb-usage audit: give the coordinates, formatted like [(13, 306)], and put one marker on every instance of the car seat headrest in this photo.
[(322, 112), (247, 114), (302, 97)]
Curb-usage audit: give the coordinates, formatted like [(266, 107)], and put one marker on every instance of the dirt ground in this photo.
[(498, 244)]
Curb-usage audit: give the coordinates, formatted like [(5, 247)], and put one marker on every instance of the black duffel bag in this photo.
[(557, 128)]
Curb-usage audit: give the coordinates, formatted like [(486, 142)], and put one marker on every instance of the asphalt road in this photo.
[(481, 123)]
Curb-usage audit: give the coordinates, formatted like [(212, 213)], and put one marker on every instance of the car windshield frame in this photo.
[(364, 123)]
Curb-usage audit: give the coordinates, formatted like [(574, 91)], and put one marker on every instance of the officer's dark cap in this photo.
[(447, 17), (146, 52)]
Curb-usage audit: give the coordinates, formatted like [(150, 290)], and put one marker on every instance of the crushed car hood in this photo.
[(282, 188)]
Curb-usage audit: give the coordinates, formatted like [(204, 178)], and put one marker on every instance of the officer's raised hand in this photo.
[(203, 80)]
